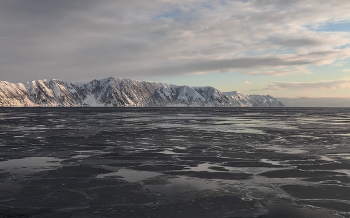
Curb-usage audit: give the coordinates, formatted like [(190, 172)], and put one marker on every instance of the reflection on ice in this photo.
[(168, 152), (182, 184), (30, 165), (10, 118), (325, 158), (271, 161), (195, 155), (168, 186), (348, 134), (228, 124), (80, 156), (130, 175), (211, 168), (342, 155), (202, 167), (281, 149)]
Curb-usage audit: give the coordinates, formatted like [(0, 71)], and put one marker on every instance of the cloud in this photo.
[(279, 72), (131, 38), (197, 66), (316, 102), (248, 83), (331, 84), (346, 70), (339, 63)]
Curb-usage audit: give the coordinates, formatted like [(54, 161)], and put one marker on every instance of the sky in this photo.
[(296, 50)]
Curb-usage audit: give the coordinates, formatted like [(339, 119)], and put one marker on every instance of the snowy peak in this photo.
[(233, 93), (186, 94), (253, 100), (116, 92)]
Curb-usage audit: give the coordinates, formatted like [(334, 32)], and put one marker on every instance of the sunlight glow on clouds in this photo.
[(279, 72), (332, 84), (81, 40)]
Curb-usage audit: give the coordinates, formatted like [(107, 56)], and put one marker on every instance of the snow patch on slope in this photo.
[(116, 92)]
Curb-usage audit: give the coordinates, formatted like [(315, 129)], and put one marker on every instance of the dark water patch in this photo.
[(325, 166), (249, 164), (218, 168), (3, 175), (307, 162), (132, 194), (157, 180), (290, 210), (97, 143), (333, 205), (159, 167), (198, 147), (81, 171), (318, 191), (136, 156), (125, 164), (212, 175), (11, 187), (73, 183), (203, 158), (182, 151), (262, 153), (7, 212), (206, 207), (295, 173), (53, 199), (330, 179)]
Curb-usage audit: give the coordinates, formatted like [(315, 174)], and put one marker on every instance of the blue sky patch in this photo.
[(336, 27)]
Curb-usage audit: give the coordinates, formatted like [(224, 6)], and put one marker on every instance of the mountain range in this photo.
[(116, 92)]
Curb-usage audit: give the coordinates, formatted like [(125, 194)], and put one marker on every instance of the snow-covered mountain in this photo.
[(116, 92), (241, 100)]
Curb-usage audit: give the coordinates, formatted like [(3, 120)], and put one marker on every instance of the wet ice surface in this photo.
[(175, 162), (29, 165), (130, 175)]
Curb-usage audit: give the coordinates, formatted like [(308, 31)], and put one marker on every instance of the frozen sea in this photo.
[(175, 162)]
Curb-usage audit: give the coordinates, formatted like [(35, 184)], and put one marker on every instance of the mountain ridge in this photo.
[(117, 92)]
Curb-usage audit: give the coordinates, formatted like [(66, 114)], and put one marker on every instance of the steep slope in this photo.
[(241, 100), (116, 92)]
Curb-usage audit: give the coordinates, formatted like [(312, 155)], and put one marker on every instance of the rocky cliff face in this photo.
[(242, 100), (116, 92)]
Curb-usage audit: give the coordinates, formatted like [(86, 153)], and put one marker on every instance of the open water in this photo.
[(175, 162)]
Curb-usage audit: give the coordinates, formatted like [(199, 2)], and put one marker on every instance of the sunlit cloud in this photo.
[(339, 63), (331, 84), (279, 72), (332, 101), (132, 38)]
